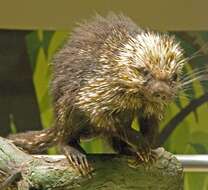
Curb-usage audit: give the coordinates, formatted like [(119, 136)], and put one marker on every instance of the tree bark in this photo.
[(112, 172)]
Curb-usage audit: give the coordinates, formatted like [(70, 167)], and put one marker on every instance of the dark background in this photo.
[(18, 101)]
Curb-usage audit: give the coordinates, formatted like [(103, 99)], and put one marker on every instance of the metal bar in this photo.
[(191, 163), (194, 163)]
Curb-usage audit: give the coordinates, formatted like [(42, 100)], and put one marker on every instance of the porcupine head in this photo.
[(152, 64)]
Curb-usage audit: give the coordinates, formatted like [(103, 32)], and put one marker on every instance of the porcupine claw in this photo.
[(78, 161), (143, 157), (145, 154), (148, 157)]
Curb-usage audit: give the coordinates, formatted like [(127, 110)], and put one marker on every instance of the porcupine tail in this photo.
[(35, 141)]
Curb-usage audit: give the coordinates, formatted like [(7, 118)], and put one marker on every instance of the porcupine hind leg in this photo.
[(119, 145), (76, 156), (70, 143)]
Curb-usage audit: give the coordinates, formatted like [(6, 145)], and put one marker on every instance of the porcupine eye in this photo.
[(174, 77), (144, 72)]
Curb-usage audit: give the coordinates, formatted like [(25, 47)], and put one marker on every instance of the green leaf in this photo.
[(199, 140), (47, 37), (199, 148), (56, 42), (195, 181), (33, 46), (12, 124)]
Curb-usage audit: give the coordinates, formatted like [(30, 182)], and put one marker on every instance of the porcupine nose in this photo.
[(160, 95), (161, 90)]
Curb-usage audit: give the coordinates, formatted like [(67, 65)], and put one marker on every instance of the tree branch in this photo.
[(111, 172), (173, 123)]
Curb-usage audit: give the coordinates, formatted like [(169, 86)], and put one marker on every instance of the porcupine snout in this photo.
[(161, 90)]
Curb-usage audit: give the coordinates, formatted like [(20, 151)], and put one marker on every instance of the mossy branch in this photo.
[(111, 172)]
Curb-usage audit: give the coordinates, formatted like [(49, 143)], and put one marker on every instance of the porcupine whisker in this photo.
[(189, 95), (193, 56), (197, 52), (200, 78), (196, 72), (184, 92), (186, 88), (195, 69), (202, 68), (184, 95)]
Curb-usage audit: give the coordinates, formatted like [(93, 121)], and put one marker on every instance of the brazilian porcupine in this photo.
[(109, 72)]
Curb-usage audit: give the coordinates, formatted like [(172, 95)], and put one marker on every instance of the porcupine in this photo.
[(107, 73)]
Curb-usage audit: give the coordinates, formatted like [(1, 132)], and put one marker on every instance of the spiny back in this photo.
[(82, 52), (95, 32), (91, 35)]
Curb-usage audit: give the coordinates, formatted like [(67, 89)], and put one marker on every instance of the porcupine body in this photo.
[(107, 73)]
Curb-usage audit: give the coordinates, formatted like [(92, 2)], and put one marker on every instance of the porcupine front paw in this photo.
[(144, 153), (77, 160)]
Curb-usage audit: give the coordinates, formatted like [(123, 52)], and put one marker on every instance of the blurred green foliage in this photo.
[(189, 137)]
